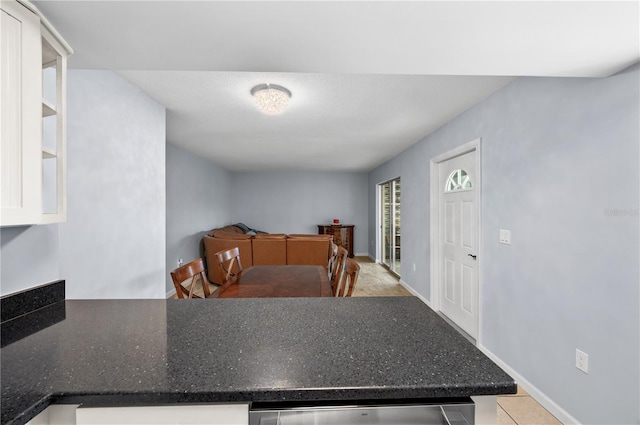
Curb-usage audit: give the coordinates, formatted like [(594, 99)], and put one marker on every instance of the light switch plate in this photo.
[(505, 236)]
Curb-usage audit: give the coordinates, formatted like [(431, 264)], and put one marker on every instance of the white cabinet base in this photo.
[(56, 414), (200, 414)]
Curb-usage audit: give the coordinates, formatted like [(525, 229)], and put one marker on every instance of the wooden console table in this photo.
[(344, 230)]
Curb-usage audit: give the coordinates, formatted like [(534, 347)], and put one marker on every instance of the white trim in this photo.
[(433, 238), (171, 293), (45, 23), (479, 224), (379, 219), (486, 407), (546, 402), (378, 223), (434, 199), (415, 293)]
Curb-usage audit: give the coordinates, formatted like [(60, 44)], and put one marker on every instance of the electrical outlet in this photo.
[(582, 361), (180, 262), (505, 236)]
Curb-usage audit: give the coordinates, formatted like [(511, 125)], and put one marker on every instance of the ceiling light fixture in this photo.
[(270, 98)]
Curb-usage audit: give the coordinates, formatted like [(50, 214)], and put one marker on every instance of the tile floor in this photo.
[(522, 409)]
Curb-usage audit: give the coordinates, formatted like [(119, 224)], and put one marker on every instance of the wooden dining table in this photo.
[(277, 282)]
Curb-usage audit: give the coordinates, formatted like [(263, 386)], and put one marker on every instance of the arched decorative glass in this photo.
[(458, 180)]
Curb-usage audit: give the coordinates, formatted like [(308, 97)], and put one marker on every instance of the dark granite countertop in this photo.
[(296, 349)]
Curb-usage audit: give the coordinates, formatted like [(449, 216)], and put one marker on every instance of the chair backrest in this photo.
[(190, 272), (337, 266), (333, 253), (229, 263), (348, 279), (214, 245)]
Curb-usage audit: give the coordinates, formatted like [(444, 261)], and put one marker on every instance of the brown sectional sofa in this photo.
[(269, 249), (265, 249)]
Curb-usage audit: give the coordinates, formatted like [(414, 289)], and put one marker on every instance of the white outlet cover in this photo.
[(582, 361), (505, 236)]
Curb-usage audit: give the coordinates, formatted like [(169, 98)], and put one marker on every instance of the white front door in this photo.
[(458, 239)]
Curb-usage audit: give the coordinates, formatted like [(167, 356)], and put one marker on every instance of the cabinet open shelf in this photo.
[(49, 55), (48, 153), (47, 109)]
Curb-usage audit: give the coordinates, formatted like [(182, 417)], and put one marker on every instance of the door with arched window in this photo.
[(458, 239)]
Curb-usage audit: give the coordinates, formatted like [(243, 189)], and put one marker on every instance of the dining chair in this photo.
[(337, 266), (348, 279), (229, 263), (333, 253), (190, 272)]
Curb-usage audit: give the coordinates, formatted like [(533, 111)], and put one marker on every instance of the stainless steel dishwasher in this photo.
[(455, 413)]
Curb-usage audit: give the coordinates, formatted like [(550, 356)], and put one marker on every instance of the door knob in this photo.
[(472, 256)]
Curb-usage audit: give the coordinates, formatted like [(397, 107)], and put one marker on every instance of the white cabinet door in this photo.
[(212, 414), (56, 414), (32, 125), (21, 88)]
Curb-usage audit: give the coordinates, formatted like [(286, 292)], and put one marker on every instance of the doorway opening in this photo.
[(390, 235)]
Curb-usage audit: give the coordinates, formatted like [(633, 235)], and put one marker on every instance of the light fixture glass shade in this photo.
[(270, 98)]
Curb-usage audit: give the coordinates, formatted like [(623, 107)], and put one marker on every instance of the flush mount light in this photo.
[(270, 98)]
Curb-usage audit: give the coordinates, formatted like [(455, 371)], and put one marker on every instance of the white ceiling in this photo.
[(368, 78)]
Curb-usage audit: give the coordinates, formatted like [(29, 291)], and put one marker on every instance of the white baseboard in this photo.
[(415, 293), (557, 411), (171, 293), (406, 286)]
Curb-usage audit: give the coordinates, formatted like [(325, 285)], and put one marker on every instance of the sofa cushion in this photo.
[(226, 229), (308, 251), (243, 227), (310, 236), (218, 233), (270, 236), (269, 250)]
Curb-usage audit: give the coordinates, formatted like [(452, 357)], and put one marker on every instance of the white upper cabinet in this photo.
[(21, 176), (32, 154)]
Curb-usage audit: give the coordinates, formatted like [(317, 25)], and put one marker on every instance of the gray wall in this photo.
[(296, 202), (560, 169), (113, 243), (29, 256), (198, 199)]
